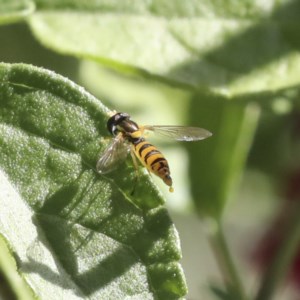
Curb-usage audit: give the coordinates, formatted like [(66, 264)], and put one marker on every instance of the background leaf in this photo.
[(76, 233), (220, 158), (15, 10), (197, 43)]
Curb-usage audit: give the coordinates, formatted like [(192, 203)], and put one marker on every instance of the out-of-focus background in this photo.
[(256, 140)]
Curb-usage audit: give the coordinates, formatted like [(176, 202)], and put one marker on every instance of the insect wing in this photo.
[(114, 154), (180, 133)]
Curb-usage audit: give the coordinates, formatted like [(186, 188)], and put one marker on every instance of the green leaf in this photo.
[(75, 233), (221, 294), (239, 48), (175, 8), (8, 267), (217, 162), (15, 10)]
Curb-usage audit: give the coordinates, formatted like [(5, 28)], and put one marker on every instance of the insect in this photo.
[(129, 137)]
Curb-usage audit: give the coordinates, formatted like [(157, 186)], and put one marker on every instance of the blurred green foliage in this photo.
[(232, 68)]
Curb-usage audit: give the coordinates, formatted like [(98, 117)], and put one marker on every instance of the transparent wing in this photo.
[(180, 133), (113, 155)]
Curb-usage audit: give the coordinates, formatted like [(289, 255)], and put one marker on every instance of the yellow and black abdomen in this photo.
[(153, 160)]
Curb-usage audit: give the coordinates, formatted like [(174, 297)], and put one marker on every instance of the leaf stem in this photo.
[(225, 262), (282, 258)]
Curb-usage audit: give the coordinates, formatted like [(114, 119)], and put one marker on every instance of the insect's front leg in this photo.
[(136, 168)]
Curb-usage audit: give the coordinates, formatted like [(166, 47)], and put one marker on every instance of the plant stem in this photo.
[(225, 262), (283, 257)]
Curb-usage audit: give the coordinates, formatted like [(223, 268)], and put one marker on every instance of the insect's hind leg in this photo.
[(136, 168)]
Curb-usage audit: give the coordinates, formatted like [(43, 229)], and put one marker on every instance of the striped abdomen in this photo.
[(153, 160)]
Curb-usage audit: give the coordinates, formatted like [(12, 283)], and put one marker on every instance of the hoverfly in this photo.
[(129, 137)]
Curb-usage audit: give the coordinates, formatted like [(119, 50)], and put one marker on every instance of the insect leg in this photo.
[(136, 168)]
